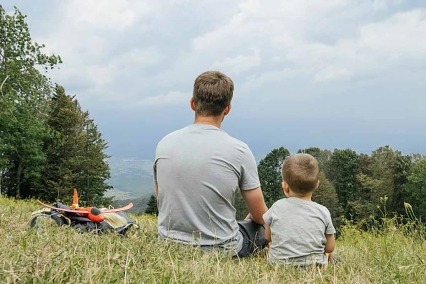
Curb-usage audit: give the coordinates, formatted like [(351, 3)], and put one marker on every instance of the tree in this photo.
[(416, 188), (23, 93), (240, 206), (386, 174), (343, 170), (326, 195), (94, 169), (370, 201), (401, 169), (152, 206), (75, 152), (322, 156), (269, 169)]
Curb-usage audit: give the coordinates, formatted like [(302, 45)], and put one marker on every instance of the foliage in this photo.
[(363, 188), (23, 93), (75, 152), (343, 170), (323, 157), (152, 206), (62, 255), (416, 188), (269, 169), (392, 169), (326, 195), (382, 175), (240, 206), (47, 144)]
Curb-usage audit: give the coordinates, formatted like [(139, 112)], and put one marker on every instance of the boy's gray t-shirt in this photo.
[(298, 229), (198, 170)]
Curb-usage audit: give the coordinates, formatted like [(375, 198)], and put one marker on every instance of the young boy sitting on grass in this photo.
[(299, 230)]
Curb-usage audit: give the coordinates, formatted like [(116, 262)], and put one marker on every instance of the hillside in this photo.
[(139, 204), (396, 254), (130, 178)]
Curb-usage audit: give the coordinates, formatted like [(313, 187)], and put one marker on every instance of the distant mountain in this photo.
[(130, 178), (139, 204)]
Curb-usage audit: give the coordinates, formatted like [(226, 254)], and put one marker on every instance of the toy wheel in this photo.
[(45, 221)]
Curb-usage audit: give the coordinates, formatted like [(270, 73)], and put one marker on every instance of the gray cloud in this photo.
[(333, 74)]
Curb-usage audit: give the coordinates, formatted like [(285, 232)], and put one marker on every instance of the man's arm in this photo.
[(154, 177), (156, 189), (331, 243), (268, 233), (255, 203)]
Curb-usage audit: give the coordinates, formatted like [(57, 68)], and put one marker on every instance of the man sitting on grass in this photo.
[(198, 171)]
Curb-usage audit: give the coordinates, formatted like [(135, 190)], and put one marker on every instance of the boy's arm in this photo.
[(331, 243), (267, 232), (255, 203)]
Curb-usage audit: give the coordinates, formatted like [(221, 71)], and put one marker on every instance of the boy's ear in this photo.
[(286, 188), (318, 184)]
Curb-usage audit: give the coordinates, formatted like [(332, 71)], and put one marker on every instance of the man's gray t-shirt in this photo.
[(298, 229), (198, 170)]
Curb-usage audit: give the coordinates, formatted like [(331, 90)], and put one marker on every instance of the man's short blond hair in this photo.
[(301, 173), (212, 93)]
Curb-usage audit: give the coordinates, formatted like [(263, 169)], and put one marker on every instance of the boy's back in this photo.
[(298, 231)]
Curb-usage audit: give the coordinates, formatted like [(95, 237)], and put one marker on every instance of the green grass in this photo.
[(62, 255)]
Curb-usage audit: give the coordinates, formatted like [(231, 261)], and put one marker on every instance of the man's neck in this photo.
[(211, 120)]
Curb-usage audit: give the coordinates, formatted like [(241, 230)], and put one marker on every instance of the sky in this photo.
[(332, 74)]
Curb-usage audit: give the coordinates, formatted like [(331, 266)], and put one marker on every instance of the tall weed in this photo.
[(63, 255)]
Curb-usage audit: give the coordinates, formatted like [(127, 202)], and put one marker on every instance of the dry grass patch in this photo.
[(63, 255)]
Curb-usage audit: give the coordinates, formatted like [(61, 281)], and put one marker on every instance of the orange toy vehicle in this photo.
[(90, 219)]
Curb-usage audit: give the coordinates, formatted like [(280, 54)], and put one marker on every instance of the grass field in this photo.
[(63, 255)]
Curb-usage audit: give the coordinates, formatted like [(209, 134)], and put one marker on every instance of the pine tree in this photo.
[(152, 206), (75, 153)]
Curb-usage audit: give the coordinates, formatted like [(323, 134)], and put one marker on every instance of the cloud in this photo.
[(322, 61), (171, 98), (378, 48), (107, 15), (283, 35), (238, 64)]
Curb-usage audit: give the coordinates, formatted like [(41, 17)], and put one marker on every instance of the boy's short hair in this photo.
[(301, 173), (212, 93)]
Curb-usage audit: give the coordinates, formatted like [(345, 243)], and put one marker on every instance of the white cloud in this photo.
[(284, 30), (385, 4), (329, 58), (238, 64), (330, 73), (378, 47), (171, 98), (108, 15)]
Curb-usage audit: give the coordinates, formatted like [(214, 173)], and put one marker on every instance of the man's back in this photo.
[(198, 170)]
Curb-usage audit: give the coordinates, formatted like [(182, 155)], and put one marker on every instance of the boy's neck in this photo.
[(306, 197)]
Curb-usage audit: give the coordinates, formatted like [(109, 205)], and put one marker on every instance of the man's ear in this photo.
[(192, 103), (227, 109)]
